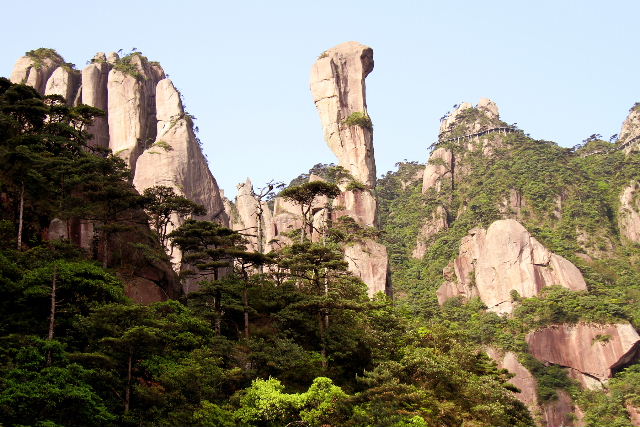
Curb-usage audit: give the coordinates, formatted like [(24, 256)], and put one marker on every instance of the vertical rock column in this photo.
[(27, 71), (339, 93), (132, 108), (175, 160), (95, 77)]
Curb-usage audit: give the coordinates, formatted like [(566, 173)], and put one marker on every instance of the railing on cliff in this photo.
[(504, 130)]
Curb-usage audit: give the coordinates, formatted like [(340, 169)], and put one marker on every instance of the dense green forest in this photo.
[(299, 345), (588, 180), (288, 338)]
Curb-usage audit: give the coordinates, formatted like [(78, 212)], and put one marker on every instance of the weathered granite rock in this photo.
[(503, 258), (634, 414), (95, 78), (489, 118), (368, 260), (358, 204), (175, 158), (523, 379), (431, 226), (629, 136), (132, 109), (36, 75), (458, 128), (561, 412), (438, 168), (144, 291), (57, 230), (338, 88), (629, 213), (246, 215), (65, 82), (593, 352)]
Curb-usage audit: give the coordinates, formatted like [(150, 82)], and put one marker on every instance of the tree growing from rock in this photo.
[(162, 204), (305, 195)]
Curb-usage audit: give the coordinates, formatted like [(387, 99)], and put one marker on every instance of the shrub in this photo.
[(359, 118)]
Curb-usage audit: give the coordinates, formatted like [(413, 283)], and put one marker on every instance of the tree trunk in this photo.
[(20, 218), (127, 393), (245, 302), (218, 309), (52, 316), (304, 224), (323, 341), (105, 249)]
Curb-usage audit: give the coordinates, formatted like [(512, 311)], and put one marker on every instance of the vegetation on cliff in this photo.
[(568, 198), (300, 344)]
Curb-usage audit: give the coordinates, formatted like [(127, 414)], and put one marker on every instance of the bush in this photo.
[(358, 118)]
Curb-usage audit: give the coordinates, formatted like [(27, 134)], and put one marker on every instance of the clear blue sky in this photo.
[(561, 69)]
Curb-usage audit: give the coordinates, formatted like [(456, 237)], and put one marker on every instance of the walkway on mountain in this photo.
[(503, 130)]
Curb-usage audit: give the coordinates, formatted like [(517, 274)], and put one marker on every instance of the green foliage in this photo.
[(39, 55), (128, 64), (163, 144), (550, 378), (360, 119)]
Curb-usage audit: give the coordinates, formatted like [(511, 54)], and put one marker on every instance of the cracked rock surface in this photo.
[(494, 262), (593, 352)]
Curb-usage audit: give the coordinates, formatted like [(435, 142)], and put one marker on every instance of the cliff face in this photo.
[(629, 212), (35, 70), (629, 136), (132, 107), (593, 352), (504, 258), (145, 124), (95, 78)]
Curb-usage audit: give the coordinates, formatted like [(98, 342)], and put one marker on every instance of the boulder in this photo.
[(368, 260), (144, 291), (629, 212), (246, 218), (494, 262), (561, 412), (591, 351), (338, 88), (358, 204)]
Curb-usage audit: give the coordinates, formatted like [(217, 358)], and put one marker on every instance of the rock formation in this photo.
[(147, 126), (95, 77), (431, 226), (339, 93), (35, 68), (629, 213), (504, 258), (523, 379), (593, 352), (467, 128), (244, 214), (132, 107), (175, 159), (369, 261), (338, 88), (64, 81), (629, 136)]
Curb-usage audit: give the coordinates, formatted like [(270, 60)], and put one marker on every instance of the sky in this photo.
[(562, 70)]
